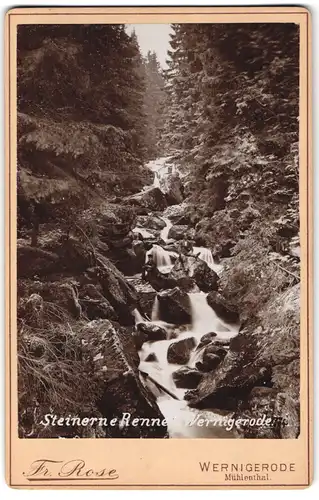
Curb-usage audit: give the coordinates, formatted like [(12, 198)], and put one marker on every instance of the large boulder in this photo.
[(187, 378), (148, 332), (190, 272), (212, 353), (234, 377), (172, 186), (206, 339), (145, 295), (180, 274), (151, 358), (209, 363), (172, 247), (75, 255), (214, 349), (205, 277), (225, 310), (130, 260), (177, 232), (33, 261), (120, 294), (140, 253), (152, 198), (179, 352), (94, 304), (160, 281), (212, 357), (150, 222), (174, 306), (176, 213), (114, 225)]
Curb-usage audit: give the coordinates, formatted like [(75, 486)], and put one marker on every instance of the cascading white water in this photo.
[(165, 230), (144, 233), (156, 182), (155, 310), (176, 411), (159, 378), (206, 255), (204, 318), (138, 317), (161, 257)]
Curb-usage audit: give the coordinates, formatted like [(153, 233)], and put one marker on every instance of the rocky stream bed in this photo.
[(165, 345)]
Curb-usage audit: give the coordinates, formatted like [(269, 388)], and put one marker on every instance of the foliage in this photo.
[(154, 100), (256, 274), (81, 124), (49, 363), (232, 124)]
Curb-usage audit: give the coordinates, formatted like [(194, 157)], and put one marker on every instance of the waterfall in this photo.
[(144, 233), (138, 317), (204, 254), (165, 231), (157, 372), (155, 310), (156, 182), (161, 257), (204, 318)]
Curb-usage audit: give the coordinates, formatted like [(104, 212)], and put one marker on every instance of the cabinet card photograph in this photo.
[(159, 234)]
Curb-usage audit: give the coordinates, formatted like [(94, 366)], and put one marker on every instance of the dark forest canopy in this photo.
[(85, 110), (232, 116)]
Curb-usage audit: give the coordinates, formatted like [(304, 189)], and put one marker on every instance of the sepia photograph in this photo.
[(158, 233)]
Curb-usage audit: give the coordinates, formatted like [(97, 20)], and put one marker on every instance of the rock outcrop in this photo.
[(173, 188), (150, 222), (145, 295), (179, 352), (187, 378), (152, 198), (112, 355), (228, 312), (263, 357), (178, 232), (205, 277), (148, 332), (174, 306)]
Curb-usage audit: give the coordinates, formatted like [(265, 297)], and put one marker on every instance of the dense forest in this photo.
[(93, 114)]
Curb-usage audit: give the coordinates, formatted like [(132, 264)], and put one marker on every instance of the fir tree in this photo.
[(153, 103)]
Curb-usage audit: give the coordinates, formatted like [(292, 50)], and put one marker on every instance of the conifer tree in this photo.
[(80, 104), (153, 103), (233, 106)]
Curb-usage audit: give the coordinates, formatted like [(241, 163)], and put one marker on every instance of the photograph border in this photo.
[(116, 15)]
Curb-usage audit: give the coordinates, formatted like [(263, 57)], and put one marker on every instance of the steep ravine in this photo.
[(193, 357), (153, 342), (184, 338)]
